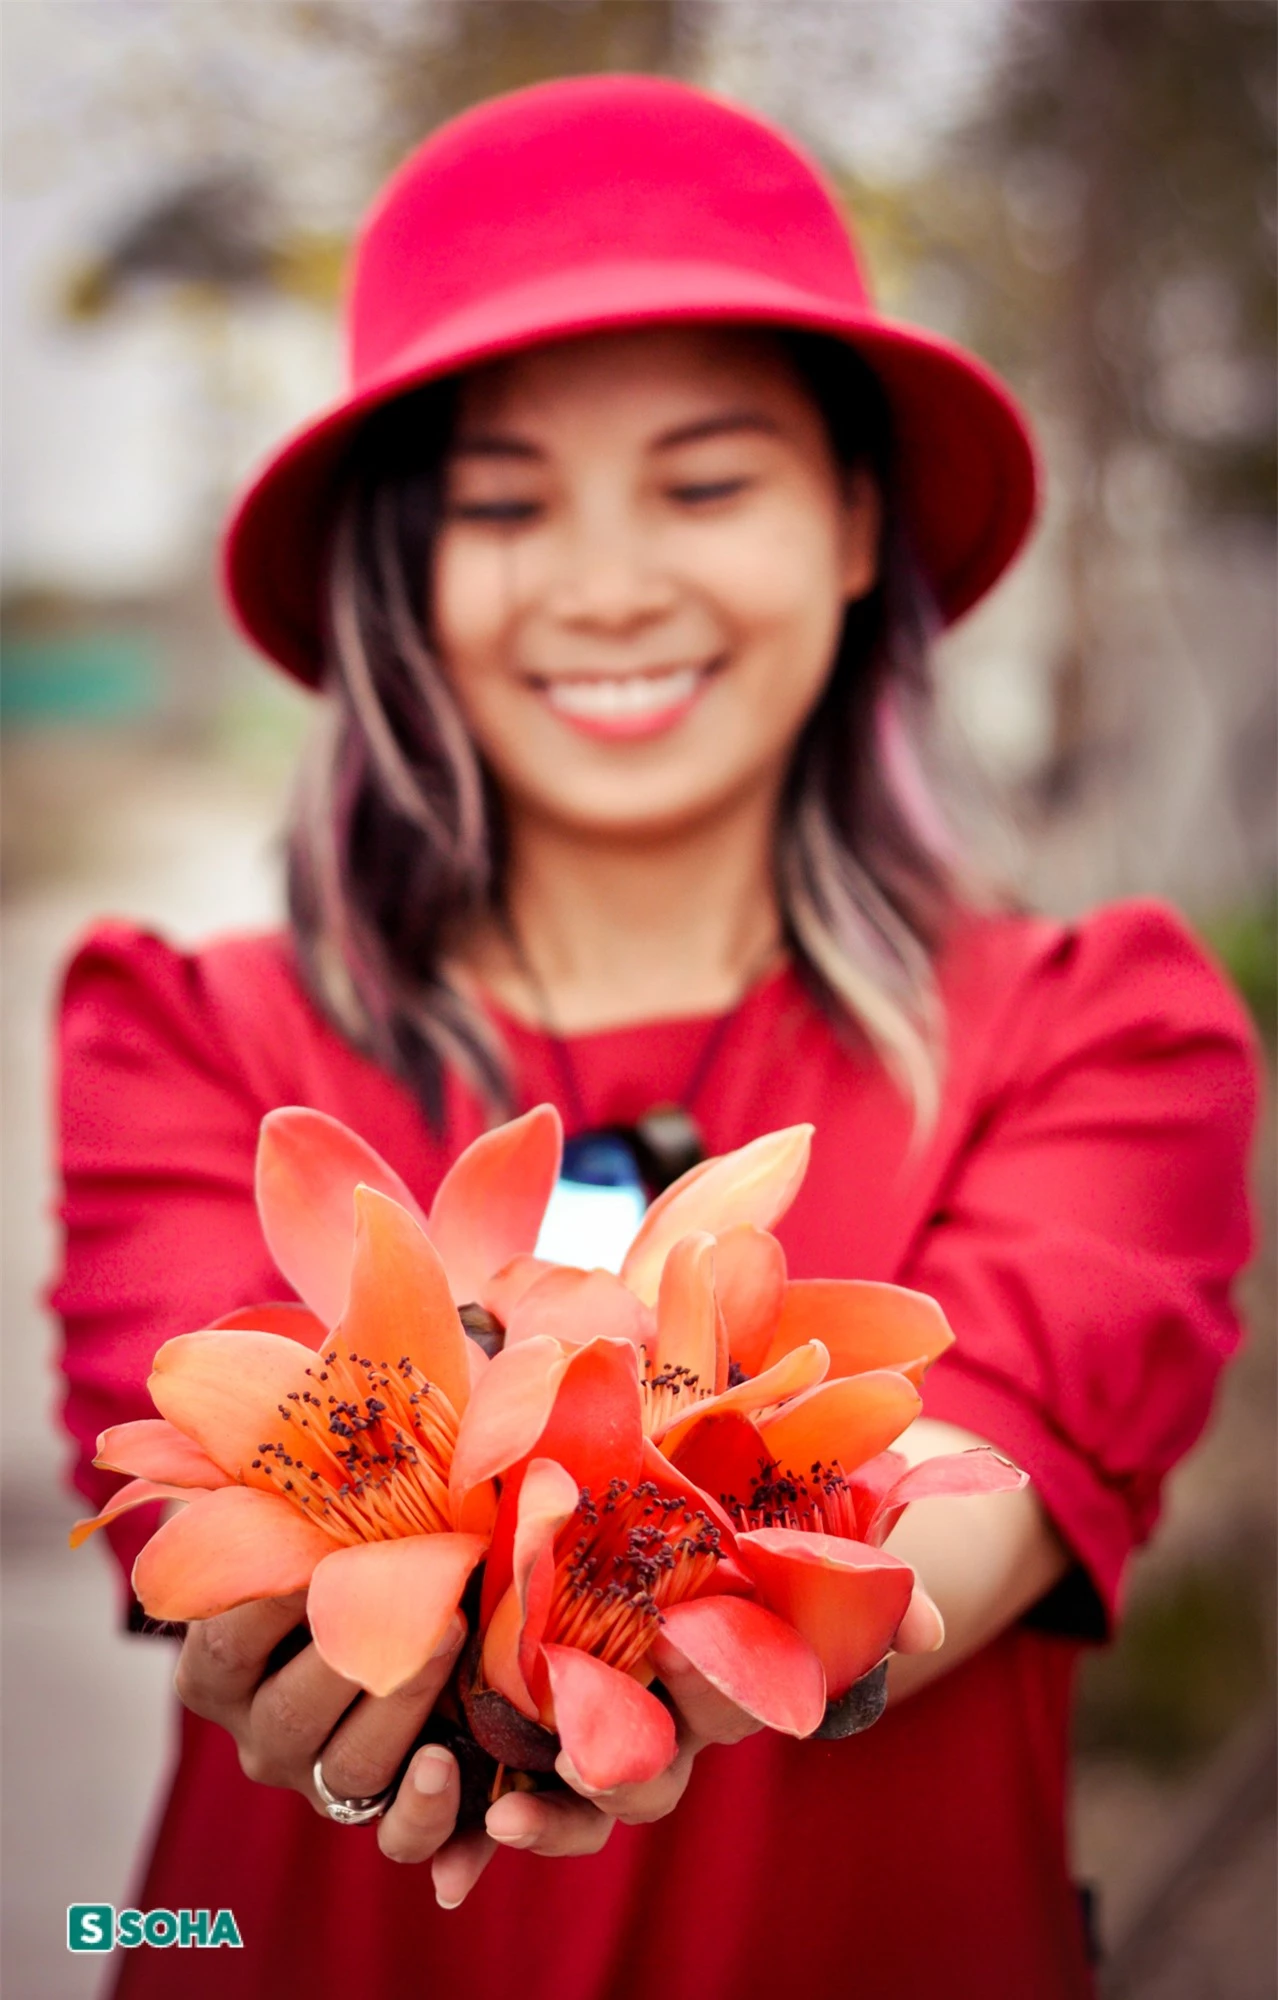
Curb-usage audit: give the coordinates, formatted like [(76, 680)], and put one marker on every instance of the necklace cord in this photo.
[(706, 1056)]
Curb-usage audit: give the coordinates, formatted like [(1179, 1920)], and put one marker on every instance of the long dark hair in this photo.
[(397, 842)]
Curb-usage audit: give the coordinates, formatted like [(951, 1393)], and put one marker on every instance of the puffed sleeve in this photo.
[(158, 1135), (1086, 1243)]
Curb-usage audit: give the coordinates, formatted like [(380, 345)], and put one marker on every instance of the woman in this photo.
[(617, 566)]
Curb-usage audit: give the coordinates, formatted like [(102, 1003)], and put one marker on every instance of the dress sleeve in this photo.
[(1086, 1243), (158, 1136)]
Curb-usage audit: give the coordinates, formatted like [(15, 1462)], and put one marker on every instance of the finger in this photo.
[(922, 1630), (425, 1808), (364, 1752), (458, 1866), (290, 1719), (637, 1805), (550, 1823), (706, 1712), (224, 1658)]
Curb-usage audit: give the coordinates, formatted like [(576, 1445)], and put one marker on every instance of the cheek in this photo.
[(471, 598), (786, 571), (785, 598)]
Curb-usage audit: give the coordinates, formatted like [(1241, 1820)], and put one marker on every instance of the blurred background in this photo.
[(1082, 190)]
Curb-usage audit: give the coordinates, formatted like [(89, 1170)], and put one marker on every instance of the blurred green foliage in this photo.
[(1246, 943), (1192, 1662)]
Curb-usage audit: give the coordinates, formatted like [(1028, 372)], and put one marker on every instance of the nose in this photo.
[(608, 576)]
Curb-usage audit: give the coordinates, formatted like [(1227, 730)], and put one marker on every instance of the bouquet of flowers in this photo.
[(689, 1461)]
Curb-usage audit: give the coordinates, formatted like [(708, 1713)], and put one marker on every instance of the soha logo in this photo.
[(96, 1927)]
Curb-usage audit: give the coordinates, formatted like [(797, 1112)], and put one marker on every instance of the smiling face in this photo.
[(640, 578)]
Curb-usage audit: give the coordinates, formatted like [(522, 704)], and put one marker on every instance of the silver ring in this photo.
[(349, 1812)]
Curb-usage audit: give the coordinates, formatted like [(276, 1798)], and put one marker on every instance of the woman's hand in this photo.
[(559, 1823), (579, 1820), (283, 1720)]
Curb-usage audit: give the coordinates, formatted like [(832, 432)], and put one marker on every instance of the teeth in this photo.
[(636, 694)]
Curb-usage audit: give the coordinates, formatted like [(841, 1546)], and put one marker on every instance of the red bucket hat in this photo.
[(614, 201)]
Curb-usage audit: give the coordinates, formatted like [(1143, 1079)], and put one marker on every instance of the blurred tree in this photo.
[(448, 54), (1135, 151), (1112, 238)]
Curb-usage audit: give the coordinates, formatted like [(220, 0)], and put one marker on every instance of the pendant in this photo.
[(607, 1179)]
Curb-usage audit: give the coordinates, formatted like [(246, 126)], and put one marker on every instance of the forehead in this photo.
[(643, 373)]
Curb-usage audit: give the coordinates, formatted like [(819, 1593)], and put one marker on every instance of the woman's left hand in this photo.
[(579, 1820)]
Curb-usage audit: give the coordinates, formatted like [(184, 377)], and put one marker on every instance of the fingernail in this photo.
[(449, 1902), (454, 1633), (939, 1640), (493, 1826), (432, 1771), (572, 1776)]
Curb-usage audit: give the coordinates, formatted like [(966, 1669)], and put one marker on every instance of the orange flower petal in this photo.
[(547, 1498), (595, 1427), (615, 1732), (151, 1448), (688, 1313), (750, 1279), (399, 1300), (848, 1420), (675, 1484), (378, 1611), (507, 1413), (864, 1325), (308, 1168), (501, 1654), (225, 1391), (846, 1599), (751, 1656), (755, 1184), (954, 1473), (135, 1494), (293, 1321), (576, 1306), (230, 1548), (724, 1455), (789, 1376), (502, 1290), (491, 1201)]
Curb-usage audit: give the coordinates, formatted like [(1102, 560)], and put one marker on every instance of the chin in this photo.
[(621, 812)]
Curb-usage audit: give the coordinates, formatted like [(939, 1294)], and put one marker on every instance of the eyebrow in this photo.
[(496, 444), (728, 422), (491, 444)]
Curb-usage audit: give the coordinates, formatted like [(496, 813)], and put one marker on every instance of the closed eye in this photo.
[(500, 511), (703, 491)]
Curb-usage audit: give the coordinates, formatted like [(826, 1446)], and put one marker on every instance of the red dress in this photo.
[(1079, 1211)]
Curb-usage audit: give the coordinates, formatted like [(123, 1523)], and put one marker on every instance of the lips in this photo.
[(629, 705)]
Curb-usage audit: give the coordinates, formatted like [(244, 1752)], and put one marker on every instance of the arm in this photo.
[(983, 1560), (1084, 1249)]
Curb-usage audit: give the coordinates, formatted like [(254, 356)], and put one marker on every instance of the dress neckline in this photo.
[(674, 1025)]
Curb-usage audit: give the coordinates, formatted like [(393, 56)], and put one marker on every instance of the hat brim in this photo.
[(965, 467)]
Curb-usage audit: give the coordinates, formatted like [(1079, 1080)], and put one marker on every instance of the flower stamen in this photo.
[(622, 1559), (367, 1450), (668, 1392), (819, 1501)]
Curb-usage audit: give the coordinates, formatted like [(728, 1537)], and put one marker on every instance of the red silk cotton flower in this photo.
[(600, 1548), (322, 1461), (686, 1463)]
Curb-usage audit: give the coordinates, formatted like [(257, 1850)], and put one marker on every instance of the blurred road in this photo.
[(94, 825)]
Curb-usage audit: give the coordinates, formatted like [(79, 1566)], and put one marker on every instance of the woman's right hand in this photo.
[(282, 1721)]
